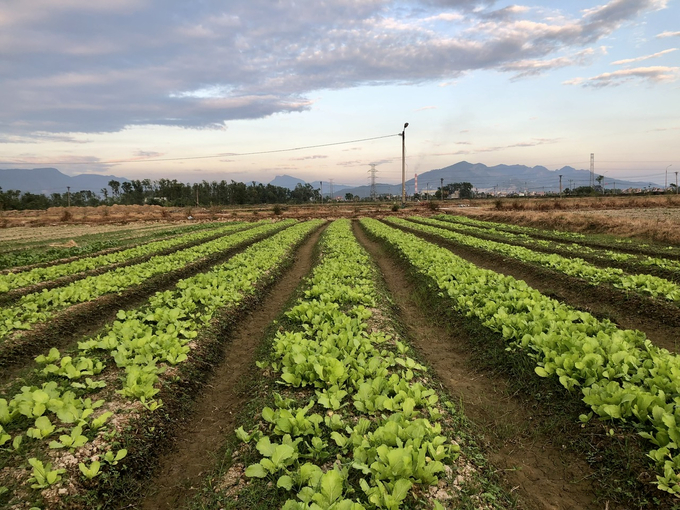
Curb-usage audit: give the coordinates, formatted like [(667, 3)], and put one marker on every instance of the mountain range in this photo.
[(50, 180), (501, 178)]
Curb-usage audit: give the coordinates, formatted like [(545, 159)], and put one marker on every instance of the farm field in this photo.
[(417, 360), (652, 218)]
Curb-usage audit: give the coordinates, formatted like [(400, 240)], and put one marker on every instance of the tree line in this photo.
[(165, 192)]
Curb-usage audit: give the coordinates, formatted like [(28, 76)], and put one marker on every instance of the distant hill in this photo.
[(51, 180), (513, 178), (286, 181), (505, 178)]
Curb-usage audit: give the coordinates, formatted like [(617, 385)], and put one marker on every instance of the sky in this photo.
[(320, 89)]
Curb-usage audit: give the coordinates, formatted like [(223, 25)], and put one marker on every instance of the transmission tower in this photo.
[(592, 170), (374, 193)]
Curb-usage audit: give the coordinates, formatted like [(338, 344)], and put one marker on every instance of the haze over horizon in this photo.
[(150, 89)]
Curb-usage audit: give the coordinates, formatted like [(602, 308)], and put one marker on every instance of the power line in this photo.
[(226, 154)]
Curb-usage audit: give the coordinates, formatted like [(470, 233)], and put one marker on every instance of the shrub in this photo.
[(432, 205)]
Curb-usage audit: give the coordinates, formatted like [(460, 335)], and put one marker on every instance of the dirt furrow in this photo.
[(595, 222), (77, 321), (543, 475), (597, 260), (16, 294), (659, 320), (182, 470)]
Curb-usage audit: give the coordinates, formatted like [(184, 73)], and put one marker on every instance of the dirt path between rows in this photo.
[(542, 475), (14, 295), (182, 470), (659, 320), (81, 320), (630, 266)]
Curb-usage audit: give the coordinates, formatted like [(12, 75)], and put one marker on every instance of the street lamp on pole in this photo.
[(666, 187), (403, 165)]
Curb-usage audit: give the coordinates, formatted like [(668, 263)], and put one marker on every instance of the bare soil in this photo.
[(73, 323), (652, 221), (542, 474), (19, 224), (182, 470), (66, 232), (15, 294), (660, 321), (628, 266)]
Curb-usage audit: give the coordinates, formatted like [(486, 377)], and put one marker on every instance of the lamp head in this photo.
[(405, 125)]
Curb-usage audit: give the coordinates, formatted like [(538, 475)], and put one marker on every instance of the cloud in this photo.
[(534, 142), (664, 129), (652, 75), (425, 108), (505, 13), (74, 66), (39, 137), (645, 57), (148, 154), (529, 143), (354, 162), (669, 34), (315, 156), (67, 164), (524, 68)]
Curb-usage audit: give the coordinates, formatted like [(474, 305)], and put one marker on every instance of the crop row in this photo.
[(566, 236), (363, 429), (17, 239), (621, 374), (643, 284), (68, 420), (17, 280), (39, 306), (85, 245), (604, 256)]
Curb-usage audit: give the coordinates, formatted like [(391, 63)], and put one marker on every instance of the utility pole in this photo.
[(666, 186), (560, 185), (676, 182), (441, 189), (331, 197), (321, 184), (68, 195), (196, 196), (403, 165), (428, 190)]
